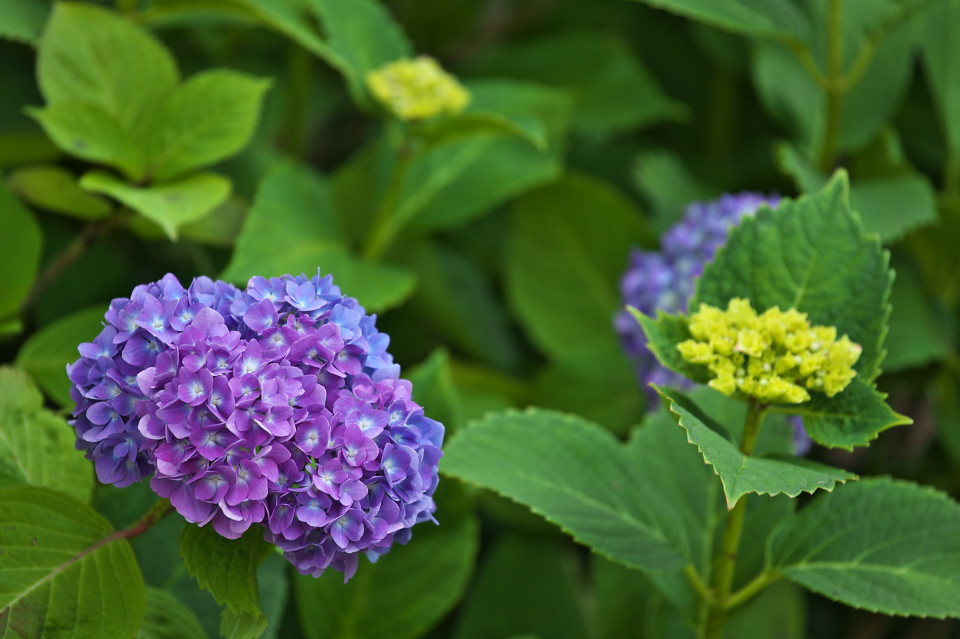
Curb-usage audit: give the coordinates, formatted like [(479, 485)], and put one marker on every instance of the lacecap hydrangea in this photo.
[(666, 279), (277, 405)]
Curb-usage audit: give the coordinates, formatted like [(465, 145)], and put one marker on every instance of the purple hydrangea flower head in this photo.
[(277, 405), (666, 279)]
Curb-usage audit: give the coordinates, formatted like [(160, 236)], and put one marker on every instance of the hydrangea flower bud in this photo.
[(278, 405), (666, 279), (775, 357), (417, 89)]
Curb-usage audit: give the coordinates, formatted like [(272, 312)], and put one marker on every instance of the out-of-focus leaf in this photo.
[(938, 50), (777, 19), (23, 20), (169, 204), (669, 188), (55, 189), (167, 618), (21, 255)]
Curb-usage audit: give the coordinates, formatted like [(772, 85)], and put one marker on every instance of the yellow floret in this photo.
[(775, 357), (417, 89)]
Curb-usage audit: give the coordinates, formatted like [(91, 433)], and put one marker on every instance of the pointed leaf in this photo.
[(37, 447), (208, 118), (572, 472), (59, 570), (23, 20), (742, 474), (169, 205), (777, 19), (79, 62), (294, 228), (663, 335), (938, 51), (55, 189), (228, 569), (883, 545), (812, 255), (21, 255), (855, 417)]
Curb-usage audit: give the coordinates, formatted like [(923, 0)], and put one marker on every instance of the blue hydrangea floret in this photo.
[(277, 405)]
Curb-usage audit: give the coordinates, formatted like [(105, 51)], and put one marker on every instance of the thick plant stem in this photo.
[(835, 86), (711, 626), (385, 224)]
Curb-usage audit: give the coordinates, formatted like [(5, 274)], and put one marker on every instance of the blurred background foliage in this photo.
[(233, 138)]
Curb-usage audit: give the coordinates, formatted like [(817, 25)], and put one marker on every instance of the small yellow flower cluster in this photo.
[(775, 357), (417, 89)]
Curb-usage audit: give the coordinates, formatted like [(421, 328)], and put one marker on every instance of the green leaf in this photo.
[(920, 330), (171, 204), (208, 118), (38, 446), (228, 569), (408, 591), (779, 19), (26, 147), (855, 417), (742, 474), (812, 255), (364, 37), (663, 335), (23, 20), (293, 228), (572, 236), (78, 62), (572, 472), (55, 189), (291, 18), (883, 545), (88, 132), (21, 255), (167, 618), (892, 201), (59, 570), (938, 51), (613, 92), (48, 351), (273, 578), (532, 584), (668, 186), (435, 391)]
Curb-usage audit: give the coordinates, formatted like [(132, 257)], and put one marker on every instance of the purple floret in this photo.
[(278, 405), (666, 279)]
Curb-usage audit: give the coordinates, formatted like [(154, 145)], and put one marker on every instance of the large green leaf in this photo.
[(742, 474), (567, 252), (363, 36), (37, 447), (79, 62), (293, 228), (613, 92), (291, 18), (938, 49), (576, 475), (855, 417), (758, 18), (208, 118), (668, 186), (435, 391), (532, 584), (55, 189), (884, 545), (812, 255), (169, 204), (228, 569), (167, 618), (920, 329), (21, 255), (23, 20), (60, 573), (48, 351), (408, 590)]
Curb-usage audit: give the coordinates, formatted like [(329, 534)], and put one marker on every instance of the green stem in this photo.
[(835, 85), (385, 224), (711, 626), (751, 590)]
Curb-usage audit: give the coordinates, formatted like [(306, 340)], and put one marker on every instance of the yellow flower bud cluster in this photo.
[(775, 357), (417, 89)]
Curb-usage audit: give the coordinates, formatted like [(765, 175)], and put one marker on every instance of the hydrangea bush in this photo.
[(276, 405), (479, 175)]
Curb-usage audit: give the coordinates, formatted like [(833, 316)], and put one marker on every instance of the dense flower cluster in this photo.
[(665, 280), (417, 89), (278, 405), (774, 357)]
